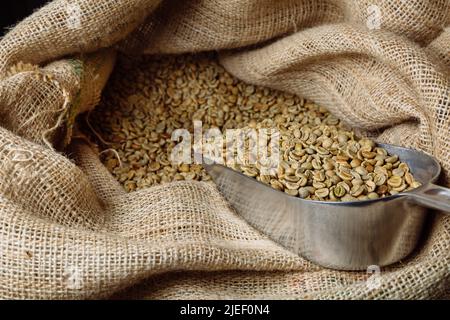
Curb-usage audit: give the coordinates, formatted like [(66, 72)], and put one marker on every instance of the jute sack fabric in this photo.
[(68, 230)]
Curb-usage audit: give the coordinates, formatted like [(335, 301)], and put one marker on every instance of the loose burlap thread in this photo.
[(67, 228)]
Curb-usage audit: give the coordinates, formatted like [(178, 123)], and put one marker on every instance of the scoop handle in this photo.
[(432, 196)]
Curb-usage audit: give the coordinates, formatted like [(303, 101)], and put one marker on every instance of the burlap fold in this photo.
[(68, 230)]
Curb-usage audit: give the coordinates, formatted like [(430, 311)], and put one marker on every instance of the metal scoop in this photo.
[(340, 235)]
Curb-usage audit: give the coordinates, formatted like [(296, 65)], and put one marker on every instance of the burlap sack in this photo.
[(68, 230)]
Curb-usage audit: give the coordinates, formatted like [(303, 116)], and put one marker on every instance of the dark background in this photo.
[(12, 11)]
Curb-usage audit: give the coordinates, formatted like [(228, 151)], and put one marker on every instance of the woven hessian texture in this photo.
[(67, 228)]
